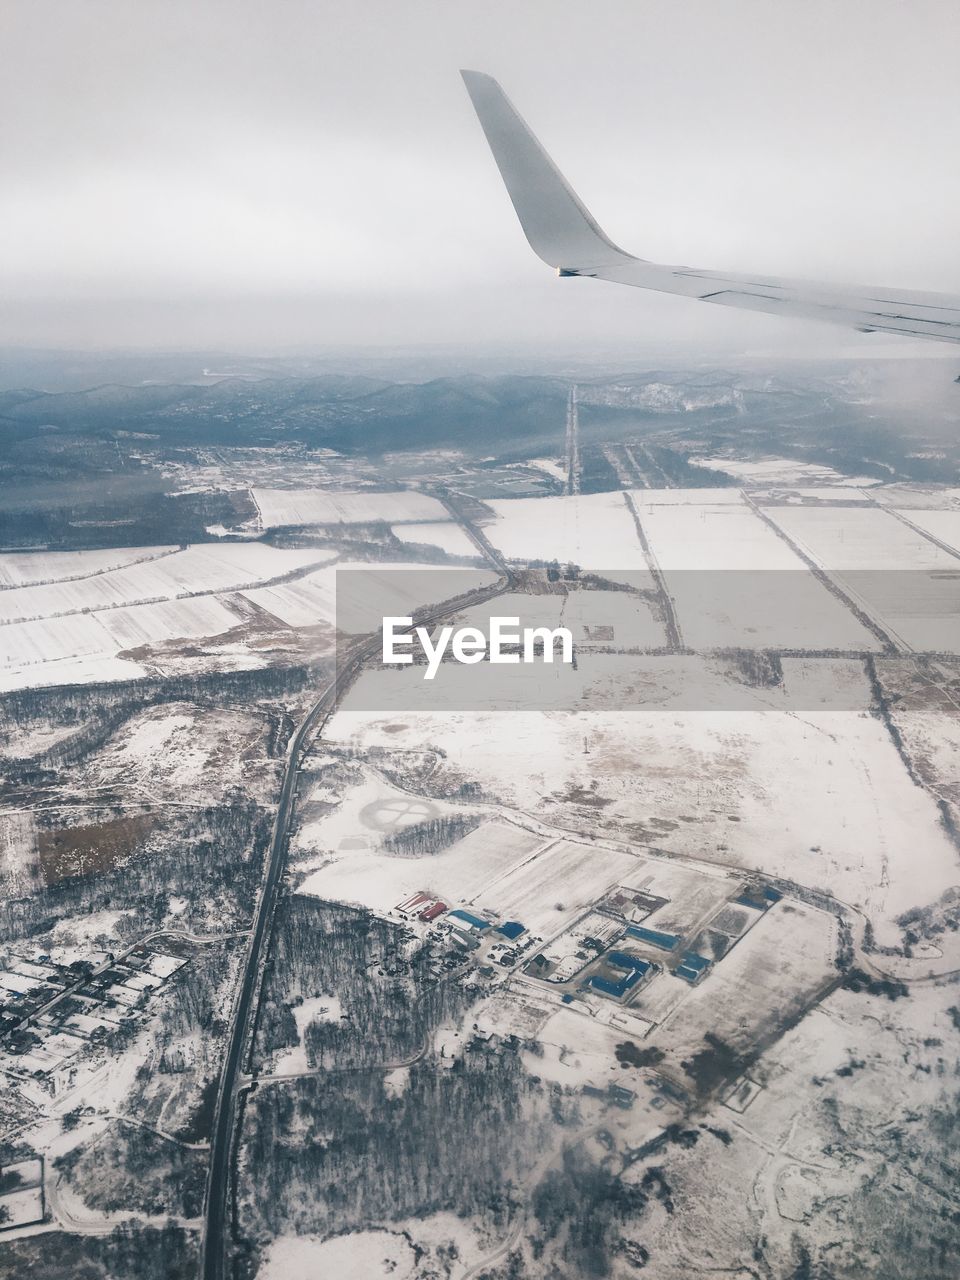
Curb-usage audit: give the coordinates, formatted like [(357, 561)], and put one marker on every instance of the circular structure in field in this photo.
[(395, 814)]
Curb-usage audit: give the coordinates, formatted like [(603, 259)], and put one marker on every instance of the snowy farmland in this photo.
[(778, 472), (816, 796), (442, 534), (767, 979), (22, 569), (902, 579), (197, 570), (550, 890), (595, 531), (379, 881), (596, 619), (944, 525), (734, 583), (281, 508), (102, 625)]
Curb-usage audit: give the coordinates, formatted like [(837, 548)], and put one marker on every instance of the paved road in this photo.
[(216, 1234)]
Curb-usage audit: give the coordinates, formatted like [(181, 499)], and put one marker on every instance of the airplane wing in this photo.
[(565, 235)]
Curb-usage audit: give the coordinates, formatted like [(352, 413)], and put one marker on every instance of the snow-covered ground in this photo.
[(944, 525), (736, 584), (206, 568), (807, 787), (906, 582), (313, 1009), (444, 534), (596, 619), (595, 531), (279, 507), (779, 471), (380, 881), (178, 751), (24, 568)]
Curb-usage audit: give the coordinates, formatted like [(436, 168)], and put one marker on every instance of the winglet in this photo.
[(559, 227)]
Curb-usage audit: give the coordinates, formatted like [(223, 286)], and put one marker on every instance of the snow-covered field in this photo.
[(354, 596), (34, 653), (209, 568), (944, 525), (547, 892), (779, 472), (595, 618), (444, 534), (688, 497), (763, 981), (356, 873), (77, 630), (20, 569), (798, 789), (364, 814), (19, 863), (177, 751), (853, 538), (902, 579), (280, 507), (736, 584), (595, 531), (414, 1249)]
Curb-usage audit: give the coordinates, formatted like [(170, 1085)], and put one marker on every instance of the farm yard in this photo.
[(705, 780)]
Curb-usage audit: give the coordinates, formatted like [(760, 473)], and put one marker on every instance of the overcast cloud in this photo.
[(288, 173)]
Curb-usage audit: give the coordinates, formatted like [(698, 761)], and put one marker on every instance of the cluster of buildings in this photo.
[(613, 951), (51, 1013), (489, 941)]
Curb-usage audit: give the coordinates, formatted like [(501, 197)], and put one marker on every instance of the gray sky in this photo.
[(284, 173)]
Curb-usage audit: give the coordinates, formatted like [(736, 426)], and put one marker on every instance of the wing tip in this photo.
[(478, 80)]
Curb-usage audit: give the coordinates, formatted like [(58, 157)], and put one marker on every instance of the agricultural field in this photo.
[(943, 525), (735, 584), (38, 567), (199, 570), (296, 507), (594, 531), (227, 606), (93, 647), (706, 780), (903, 580), (781, 473), (597, 619), (442, 534)]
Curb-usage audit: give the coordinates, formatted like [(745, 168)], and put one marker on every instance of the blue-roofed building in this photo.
[(665, 941), (635, 968), (511, 929), (692, 967), (622, 960), (473, 921)]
